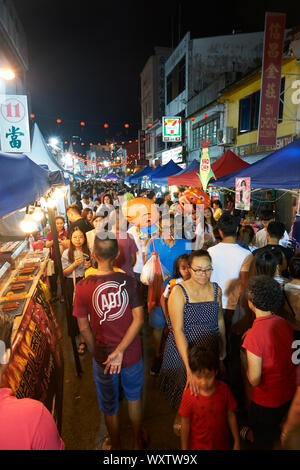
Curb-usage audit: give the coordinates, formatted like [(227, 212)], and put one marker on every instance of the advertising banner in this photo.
[(36, 367), (271, 78), (242, 193), (14, 124), (171, 129)]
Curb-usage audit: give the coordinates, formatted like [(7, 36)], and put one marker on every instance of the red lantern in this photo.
[(106, 126), (32, 116), (126, 125), (58, 121), (193, 119), (82, 124), (205, 116)]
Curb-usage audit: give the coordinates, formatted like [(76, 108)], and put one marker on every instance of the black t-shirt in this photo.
[(82, 224)]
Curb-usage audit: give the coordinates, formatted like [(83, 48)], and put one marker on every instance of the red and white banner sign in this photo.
[(14, 124), (271, 76)]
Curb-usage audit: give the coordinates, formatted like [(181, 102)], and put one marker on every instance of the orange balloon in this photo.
[(140, 211), (192, 197)]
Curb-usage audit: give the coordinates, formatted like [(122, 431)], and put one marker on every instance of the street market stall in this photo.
[(36, 365), (227, 163)]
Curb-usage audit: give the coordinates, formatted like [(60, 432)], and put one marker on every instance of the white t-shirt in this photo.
[(260, 239), (139, 256), (228, 260)]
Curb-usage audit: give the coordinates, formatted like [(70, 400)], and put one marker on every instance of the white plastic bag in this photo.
[(149, 270), (147, 274)]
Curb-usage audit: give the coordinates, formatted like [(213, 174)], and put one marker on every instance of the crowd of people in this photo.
[(223, 329)]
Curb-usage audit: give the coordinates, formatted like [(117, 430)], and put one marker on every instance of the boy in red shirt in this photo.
[(270, 371), (208, 418)]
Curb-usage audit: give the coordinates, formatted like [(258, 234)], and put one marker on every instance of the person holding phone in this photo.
[(75, 260)]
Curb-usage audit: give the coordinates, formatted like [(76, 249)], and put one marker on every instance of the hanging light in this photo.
[(28, 225), (38, 214)]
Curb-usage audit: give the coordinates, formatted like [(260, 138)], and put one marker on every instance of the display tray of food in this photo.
[(13, 307), (12, 252), (17, 287), (28, 271)]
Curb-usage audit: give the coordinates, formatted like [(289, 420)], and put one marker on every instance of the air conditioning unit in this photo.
[(226, 136)]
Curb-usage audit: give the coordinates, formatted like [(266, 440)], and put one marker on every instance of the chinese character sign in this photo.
[(271, 76), (171, 129), (242, 193), (14, 125), (206, 172)]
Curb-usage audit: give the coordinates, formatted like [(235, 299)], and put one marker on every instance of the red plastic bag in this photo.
[(155, 289)]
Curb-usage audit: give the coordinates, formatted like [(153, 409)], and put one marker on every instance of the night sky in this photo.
[(85, 60)]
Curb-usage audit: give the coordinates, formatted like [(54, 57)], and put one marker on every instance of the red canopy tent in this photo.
[(226, 164)]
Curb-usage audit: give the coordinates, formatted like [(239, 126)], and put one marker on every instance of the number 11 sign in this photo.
[(14, 125)]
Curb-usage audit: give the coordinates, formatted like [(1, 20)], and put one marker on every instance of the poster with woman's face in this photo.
[(242, 193)]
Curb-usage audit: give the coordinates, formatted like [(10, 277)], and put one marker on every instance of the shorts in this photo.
[(107, 386), (157, 318)]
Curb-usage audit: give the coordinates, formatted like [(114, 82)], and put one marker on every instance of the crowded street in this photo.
[(149, 233)]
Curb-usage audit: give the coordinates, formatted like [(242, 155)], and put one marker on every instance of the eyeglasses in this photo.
[(204, 271)]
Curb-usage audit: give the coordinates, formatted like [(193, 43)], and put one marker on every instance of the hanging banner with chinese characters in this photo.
[(14, 124), (242, 193), (171, 129), (271, 78), (206, 172)]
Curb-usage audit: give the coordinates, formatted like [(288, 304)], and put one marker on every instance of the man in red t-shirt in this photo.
[(110, 316), (271, 373), (25, 424)]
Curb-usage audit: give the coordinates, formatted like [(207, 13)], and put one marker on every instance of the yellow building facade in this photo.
[(235, 96)]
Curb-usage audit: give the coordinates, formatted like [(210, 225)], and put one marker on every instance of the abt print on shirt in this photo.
[(110, 300)]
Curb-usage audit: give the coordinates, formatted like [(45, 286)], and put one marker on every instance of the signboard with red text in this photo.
[(171, 129), (14, 124), (271, 77)]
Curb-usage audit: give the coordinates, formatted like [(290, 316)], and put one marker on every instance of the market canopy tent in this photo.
[(21, 182), (40, 153), (161, 177), (279, 170), (137, 178), (229, 162), (112, 177)]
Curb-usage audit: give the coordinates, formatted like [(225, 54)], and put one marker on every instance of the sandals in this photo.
[(82, 349), (105, 443), (246, 434)]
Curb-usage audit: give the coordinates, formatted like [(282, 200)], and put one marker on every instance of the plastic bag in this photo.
[(147, 274)]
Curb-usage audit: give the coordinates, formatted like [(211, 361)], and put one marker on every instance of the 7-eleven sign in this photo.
[(171, 129)]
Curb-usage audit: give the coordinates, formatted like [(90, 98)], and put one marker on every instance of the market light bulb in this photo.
[(28, 225), (7, 74), (51, 203), (38, 214), (58, 194)]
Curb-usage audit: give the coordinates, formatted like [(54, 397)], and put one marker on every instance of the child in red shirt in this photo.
[(270, 371), (207, 418)]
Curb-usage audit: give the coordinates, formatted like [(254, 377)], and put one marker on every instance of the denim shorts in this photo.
[(107, 386), (157, 318)]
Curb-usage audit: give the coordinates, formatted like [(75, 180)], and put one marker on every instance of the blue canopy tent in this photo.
[(138, 177), (137, 174), (161, 177), (279, 170), (194, 165), (21, 182)]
